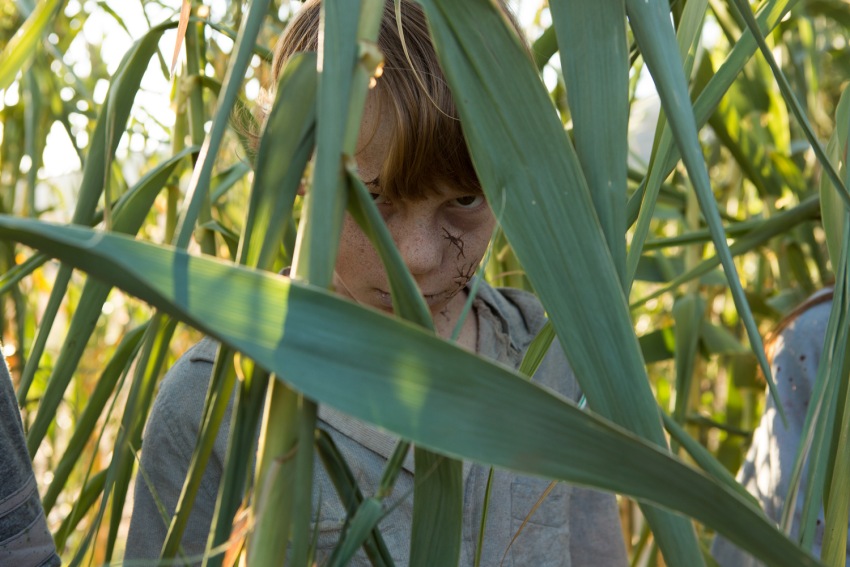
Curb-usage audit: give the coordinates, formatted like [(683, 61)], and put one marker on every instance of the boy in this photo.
[(413, 157)]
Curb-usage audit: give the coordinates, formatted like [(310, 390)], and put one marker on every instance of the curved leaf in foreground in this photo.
[(535, 183), (322, 344)]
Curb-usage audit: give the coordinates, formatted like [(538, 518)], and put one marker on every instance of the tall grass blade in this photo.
[(91, 492), (817, 438), (325, 203), (359, 529), (198, 192), (352, 498), (436, 526), (275, 477), (148, 368), (117, 366), (688, 313), (688, 41), (650, 22), (537, 350), (318, 233), (303, 502), (32, 115), (704, 459), (122, 91), (774, 226), (525, 162), (261, 315), (12, 277), (832, 208), (222, 382), (248, 407), (408, 302), (744, 9), (287, 143), (595, 59), (131, 211), (193, 81), (817, 444), (22, 45), (185, 11), (544, 47), (837, 501)]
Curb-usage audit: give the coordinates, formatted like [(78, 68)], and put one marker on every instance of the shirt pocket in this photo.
[(545, 538)]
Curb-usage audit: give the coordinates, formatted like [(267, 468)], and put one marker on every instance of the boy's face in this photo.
[(442, 238)]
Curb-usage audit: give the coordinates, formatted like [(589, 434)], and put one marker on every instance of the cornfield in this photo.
[(659, 275)]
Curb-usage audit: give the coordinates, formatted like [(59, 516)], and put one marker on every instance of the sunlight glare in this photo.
[(100, 90), (59, 156), (13, 95), (26, 164)]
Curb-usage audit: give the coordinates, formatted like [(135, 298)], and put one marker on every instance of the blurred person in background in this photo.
[(794, 350)]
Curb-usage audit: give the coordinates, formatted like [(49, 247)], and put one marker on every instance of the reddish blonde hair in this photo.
[(428, 148)]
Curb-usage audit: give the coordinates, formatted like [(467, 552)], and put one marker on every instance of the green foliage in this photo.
[(623, 254)]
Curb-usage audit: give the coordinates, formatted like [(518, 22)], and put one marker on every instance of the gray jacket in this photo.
[(24, 539), (573, 526)]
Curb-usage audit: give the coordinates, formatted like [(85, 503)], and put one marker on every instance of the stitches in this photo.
[(456, 241)]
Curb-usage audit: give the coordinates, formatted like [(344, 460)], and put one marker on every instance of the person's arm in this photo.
[(169, 441), (24, 538)]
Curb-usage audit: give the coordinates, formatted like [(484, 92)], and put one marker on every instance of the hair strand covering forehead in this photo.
[(428, 151)]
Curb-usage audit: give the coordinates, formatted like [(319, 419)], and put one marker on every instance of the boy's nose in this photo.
[(420, 245)]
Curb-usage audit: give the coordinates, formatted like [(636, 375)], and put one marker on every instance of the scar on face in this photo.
[(456, 241), (464, 274)]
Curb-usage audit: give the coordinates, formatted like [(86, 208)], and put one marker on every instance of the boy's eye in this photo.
[(379, 198), (469, 201)]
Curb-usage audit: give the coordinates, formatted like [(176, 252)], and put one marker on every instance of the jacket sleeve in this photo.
[(24, 538), (169, 441)]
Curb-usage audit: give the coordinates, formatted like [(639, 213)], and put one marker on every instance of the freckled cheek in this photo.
[(476, 239), (357, 262), (478, 246)]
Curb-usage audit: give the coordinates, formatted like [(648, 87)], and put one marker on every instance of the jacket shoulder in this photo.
[(521, 312)]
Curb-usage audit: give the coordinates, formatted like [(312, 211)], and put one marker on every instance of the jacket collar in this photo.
[(496, 316), (507, 322)]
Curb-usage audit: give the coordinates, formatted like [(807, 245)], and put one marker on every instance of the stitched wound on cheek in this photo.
[(456, 241)]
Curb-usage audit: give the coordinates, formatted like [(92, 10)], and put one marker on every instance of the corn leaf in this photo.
[(16, 53), (530, 171), (264, 316), (595, 59)]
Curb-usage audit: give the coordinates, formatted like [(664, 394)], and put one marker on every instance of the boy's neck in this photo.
[(446, 321)]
